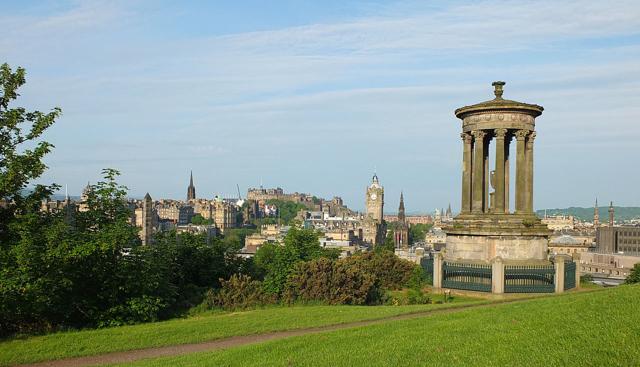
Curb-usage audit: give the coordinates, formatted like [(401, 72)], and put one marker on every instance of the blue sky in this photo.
[(312, 96)]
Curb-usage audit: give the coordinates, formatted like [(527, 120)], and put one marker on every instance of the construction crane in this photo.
[(240, 202)]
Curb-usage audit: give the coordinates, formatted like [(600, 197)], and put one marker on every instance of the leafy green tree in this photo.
[(287, 210), (388, 245), (199, 220), (418, 231), (23, 226), (21, 154), (634, 276), (278, 260)]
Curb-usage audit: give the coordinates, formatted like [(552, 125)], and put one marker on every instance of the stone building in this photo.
[(175, 211), (614, 266), (559, 222), (224, 214), (373, 225), (436, 239), (623, 239), (401, 232), (567, 244), (147, 220), (374, 200), (84, 197)]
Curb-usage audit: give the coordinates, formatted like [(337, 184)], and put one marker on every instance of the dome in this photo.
[(565, 240), (499, 104)]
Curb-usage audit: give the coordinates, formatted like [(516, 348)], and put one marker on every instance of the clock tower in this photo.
[(375, 200)]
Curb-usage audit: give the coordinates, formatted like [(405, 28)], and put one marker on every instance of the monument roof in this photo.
[(566, 240), (499, 103)]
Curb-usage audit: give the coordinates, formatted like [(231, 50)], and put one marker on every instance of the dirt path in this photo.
[(235, 341)]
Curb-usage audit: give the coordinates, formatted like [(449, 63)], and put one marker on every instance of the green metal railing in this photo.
[(427, 265), (569, 275), (473, 277), (529, 278)]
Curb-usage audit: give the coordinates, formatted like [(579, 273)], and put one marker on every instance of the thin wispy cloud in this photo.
[(374, 87)]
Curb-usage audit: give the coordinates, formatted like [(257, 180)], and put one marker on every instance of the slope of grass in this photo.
[(600, 328), (194, 329)]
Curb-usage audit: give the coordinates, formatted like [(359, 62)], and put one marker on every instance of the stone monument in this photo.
[(487, 228)]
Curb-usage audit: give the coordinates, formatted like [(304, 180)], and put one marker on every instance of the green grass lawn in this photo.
[(600, 328), (195, 329)]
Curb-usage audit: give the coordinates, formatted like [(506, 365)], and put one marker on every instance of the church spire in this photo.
[(401, 215), (191, 190), (611, 214)]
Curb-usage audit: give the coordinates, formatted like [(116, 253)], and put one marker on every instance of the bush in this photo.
[(586, 278), (332, 282), (390, 271), (634, 276), (239, 292)]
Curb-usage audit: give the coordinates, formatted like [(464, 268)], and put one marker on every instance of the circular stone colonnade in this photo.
[(486, 227), (489, 246)]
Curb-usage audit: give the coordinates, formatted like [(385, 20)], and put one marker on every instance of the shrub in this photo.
[(332, 282), (634, 276), (586, 278), (239, 292), (390, 271)]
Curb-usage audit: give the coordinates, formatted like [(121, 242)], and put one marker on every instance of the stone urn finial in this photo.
[(498, 89)]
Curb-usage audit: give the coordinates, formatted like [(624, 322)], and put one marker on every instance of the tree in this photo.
[(200, 220), (22, 224), (21, 154), (634, 276), (418, 231), (389, 244), (287, 210), (277, 261)]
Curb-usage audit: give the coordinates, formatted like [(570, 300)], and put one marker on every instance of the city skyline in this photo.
[(315, 102)]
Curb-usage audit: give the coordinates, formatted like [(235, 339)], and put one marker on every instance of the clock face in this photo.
[(373, 196)]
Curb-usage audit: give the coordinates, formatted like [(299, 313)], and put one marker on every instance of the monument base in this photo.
[(515, 238)]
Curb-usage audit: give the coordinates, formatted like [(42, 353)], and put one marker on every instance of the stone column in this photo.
[(466, 172), (485, 182), (529, 155), (497, 275), (437, 270), (559, 278), (507, 168), (477, 197), (521, 171), (500, 178)]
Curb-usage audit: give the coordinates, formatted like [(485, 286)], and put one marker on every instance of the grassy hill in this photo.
[(600, 328), (586, 214), (199, 328)]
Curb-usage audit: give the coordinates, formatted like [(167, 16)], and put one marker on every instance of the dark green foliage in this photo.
[(390, 271), (21, 154), (332, 282), (418, 231), (287, 210), (634, 276), (58, 273), (234, 237), (200, 220), (278, 261), (388, 245), (239, 292)]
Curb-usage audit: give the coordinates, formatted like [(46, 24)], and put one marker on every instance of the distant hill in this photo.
[(586, 214)]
